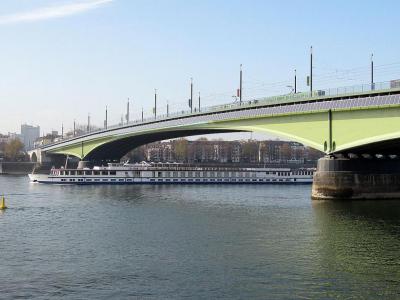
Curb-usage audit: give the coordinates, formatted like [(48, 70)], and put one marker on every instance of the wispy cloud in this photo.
[(51, 12)]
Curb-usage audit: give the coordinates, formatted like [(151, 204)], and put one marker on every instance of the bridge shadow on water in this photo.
[(360, 240)]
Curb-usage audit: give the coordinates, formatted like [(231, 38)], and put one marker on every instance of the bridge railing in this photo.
[(273, 100)]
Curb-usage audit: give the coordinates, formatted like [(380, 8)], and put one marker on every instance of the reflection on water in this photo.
[(196, 242), (359, 241)]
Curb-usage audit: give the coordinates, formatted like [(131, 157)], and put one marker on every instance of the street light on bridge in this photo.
[(155, 104), (240, 85), (191, 95), (106, 120), (372, 72)]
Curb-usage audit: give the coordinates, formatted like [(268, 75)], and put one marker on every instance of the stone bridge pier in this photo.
[(46, 161), (356, 178)]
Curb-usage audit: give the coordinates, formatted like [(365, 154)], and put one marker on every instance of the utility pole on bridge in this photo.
[(191, 95), (311, 70), (372, 72), (106, 120), (127, 112), (155, 103), (199, 102), (240, 85), (88, 123)]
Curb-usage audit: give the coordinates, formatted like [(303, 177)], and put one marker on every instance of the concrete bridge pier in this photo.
[(356, 179)]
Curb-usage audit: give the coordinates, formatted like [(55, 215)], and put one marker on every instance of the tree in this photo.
[(250, 151), (180, 147), (286, 152), (313, 154), (13, 148), (137, 155)]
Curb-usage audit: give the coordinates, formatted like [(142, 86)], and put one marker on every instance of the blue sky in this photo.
[(60, 60)]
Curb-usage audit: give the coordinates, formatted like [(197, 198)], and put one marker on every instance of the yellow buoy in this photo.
[(3, 203)]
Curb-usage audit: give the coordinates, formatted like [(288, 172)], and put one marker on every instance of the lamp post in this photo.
[(106, 120), (240, 85), (199, 102), (311, 70), (155, 103), (191, 95), (372, 72)]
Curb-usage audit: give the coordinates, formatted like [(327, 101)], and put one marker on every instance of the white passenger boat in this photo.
[(172, 173)]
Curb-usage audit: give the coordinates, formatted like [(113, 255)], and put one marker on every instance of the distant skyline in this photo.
[(61, 60)]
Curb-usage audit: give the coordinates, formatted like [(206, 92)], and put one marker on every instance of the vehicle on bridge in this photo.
[(172, 173)]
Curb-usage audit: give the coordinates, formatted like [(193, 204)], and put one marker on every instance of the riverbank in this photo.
[(16, 167)]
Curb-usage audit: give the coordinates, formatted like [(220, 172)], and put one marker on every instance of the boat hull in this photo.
[(39, 178)]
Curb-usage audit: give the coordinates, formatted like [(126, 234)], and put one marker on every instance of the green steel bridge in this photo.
[(361, 119)]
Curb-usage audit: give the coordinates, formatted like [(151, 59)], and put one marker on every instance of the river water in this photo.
[(194, 241)]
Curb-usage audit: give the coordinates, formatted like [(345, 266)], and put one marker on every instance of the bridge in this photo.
[(354, 119), (359, 120)]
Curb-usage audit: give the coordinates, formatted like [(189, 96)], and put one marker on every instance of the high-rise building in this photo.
[(29, 134)]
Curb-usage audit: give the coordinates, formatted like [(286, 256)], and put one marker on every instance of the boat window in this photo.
[(96, 173), (88, 172), (80, 172), (104, 173), (113, 173)]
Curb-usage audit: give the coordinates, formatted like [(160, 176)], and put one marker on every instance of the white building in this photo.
[(29, 134)]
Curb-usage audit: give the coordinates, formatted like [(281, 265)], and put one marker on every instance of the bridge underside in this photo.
[(389, 147), (115, 150), (371, 130)]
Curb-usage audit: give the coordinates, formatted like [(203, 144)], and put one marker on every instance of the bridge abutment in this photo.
[(356, 179)]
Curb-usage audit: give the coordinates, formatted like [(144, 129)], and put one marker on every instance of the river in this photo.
[(194, 241)]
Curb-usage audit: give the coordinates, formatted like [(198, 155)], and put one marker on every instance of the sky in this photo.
[(61, 60)]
